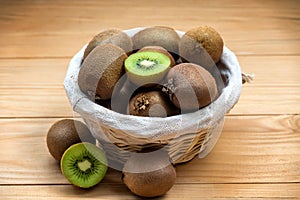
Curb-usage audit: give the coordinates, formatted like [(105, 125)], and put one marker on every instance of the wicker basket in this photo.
[(183, 136)]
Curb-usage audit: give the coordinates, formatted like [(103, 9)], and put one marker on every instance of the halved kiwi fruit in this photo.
[(163, 36), (147, 67), (110, 36), (84, 165), (160, 50)]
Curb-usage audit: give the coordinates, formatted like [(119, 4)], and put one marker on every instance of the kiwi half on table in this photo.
[(84, 165), (145, 68)]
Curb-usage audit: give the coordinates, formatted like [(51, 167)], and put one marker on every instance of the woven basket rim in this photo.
[(189, 122)]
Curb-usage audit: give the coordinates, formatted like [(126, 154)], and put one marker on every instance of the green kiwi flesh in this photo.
[(146, 67), (84, 165), (64, 133), (160, 50), (101, 70), (110, 36)]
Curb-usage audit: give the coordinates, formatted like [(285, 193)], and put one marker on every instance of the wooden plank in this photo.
[(39, 87), (178, 191), (34, 103), (251, 149), (33, 73), (53, 102), (27, 27), (50, 73)]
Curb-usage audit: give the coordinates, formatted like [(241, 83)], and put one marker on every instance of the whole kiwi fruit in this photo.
[(110, 36), (151, 104), (149, 174), (202, 45), (160, 50), (84, 164), (190, 87), (101, 70), (64, 133), (163, 36)]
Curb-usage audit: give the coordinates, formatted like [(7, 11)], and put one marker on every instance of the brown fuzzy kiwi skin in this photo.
[(202, 45), (110, 36), (151, 104), (159, 50), (163, 36), (101, 70), (64, 133), (190, 87), (149, 174)]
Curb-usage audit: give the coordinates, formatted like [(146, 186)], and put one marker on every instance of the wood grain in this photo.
[(50, 73), (53, 102), (251, 149), (64, 27), (257, 155), (179, 191), (34, 87)]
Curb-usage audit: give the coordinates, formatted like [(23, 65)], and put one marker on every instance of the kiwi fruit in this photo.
[(160, 50), (110, 36), (151, 104), (145, 68), (190, 87), (101, 70), (64, 133), (84, 165), (149, 174), (162, 36), (202, 45)]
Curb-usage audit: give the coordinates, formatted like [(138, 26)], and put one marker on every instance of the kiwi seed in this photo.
[(201, 45), (162, 36), (146, 67), (151, 104), (64, 133), (101, 70), (190, 87), (149, 174), (110, 36), (84, 165), (159, 50)]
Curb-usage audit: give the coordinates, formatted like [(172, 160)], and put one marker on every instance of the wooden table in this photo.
[(258, 154)]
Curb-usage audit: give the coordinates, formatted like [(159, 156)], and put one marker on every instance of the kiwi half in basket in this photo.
[(84, 164), (146, 67)]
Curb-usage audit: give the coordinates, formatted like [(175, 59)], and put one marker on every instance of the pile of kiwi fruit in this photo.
[(162, 73), (154, 73)]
